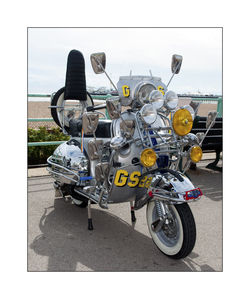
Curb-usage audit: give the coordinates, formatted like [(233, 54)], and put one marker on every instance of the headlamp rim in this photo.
[(143, 107), (166, 102), (138, 88), (152, 102)]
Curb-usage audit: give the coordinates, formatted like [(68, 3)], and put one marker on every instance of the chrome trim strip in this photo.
[(62, 167), (60, 174)]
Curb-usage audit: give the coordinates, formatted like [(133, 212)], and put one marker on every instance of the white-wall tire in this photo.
[(180, 245)]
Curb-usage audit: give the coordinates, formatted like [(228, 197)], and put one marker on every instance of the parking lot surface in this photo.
[(58, 239)]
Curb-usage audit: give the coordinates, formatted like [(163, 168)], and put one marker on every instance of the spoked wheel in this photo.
[(176, 237), (58, 100)]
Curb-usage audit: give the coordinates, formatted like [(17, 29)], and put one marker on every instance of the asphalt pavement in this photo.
[(58, 239)]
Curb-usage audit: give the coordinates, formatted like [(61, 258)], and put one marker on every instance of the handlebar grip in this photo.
[(93, 108)]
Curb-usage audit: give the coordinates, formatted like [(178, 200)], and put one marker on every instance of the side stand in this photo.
[(133, 219), (90, 224)]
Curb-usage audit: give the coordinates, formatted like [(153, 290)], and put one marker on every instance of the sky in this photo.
[(136, 49)]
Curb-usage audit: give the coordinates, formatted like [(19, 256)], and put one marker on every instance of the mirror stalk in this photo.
[(174, 73), (210, 126), (100, 65)]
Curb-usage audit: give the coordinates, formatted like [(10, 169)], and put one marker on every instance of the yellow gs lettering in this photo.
[(125, 91), (161, 89), (134, 178), (121, 178)]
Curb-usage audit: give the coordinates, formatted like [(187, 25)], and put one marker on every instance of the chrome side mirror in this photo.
[(211, 118), (176, 63), (200, 136), (102, 171), (89, 122), (127, 127), (114, 108), (195, 106), (98, 62)]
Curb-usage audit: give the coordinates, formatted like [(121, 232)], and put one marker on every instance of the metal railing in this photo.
[(45, 143), (104, 97), (208, 100)]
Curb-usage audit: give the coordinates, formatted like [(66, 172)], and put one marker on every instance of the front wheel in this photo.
[(177, 236)]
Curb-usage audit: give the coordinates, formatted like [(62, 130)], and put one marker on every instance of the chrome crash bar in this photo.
[(170, 197), (62, 168)]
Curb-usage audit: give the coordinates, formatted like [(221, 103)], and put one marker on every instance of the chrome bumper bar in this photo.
[(166, 196), (64, 169)]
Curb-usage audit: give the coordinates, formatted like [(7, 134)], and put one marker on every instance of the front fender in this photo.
[(182, 190), (182, 187)]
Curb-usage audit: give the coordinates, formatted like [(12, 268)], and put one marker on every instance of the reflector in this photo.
[(193, 194)]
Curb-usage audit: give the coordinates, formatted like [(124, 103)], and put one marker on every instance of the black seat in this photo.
[(102, 131)]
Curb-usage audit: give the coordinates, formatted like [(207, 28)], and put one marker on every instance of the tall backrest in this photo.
[(75, 83)]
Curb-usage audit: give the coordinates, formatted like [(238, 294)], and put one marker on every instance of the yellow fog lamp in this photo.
[(148, 157), (196, 153), (182, 122)]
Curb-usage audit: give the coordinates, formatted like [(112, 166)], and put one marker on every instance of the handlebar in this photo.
[(93, 108)]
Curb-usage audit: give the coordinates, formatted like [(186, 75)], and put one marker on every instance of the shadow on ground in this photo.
[(201, 177), (113, 245)]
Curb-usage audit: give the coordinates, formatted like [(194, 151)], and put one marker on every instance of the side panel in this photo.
[(125, 185)]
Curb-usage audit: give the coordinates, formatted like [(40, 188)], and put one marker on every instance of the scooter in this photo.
[(134, 156)]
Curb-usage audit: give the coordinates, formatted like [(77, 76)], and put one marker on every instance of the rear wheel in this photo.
[(58, 100), (79, 200), (177, 236)]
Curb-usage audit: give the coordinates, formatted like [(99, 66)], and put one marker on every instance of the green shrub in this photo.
[(39, 154)]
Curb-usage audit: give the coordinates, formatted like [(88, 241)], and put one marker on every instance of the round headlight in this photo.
[(196, 154), (170, 100), (182, 122), (148, 157), (156, 99), (142, 92), (148, 113), (190, 109)]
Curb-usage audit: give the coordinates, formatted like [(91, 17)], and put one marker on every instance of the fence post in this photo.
[(219, 107)]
